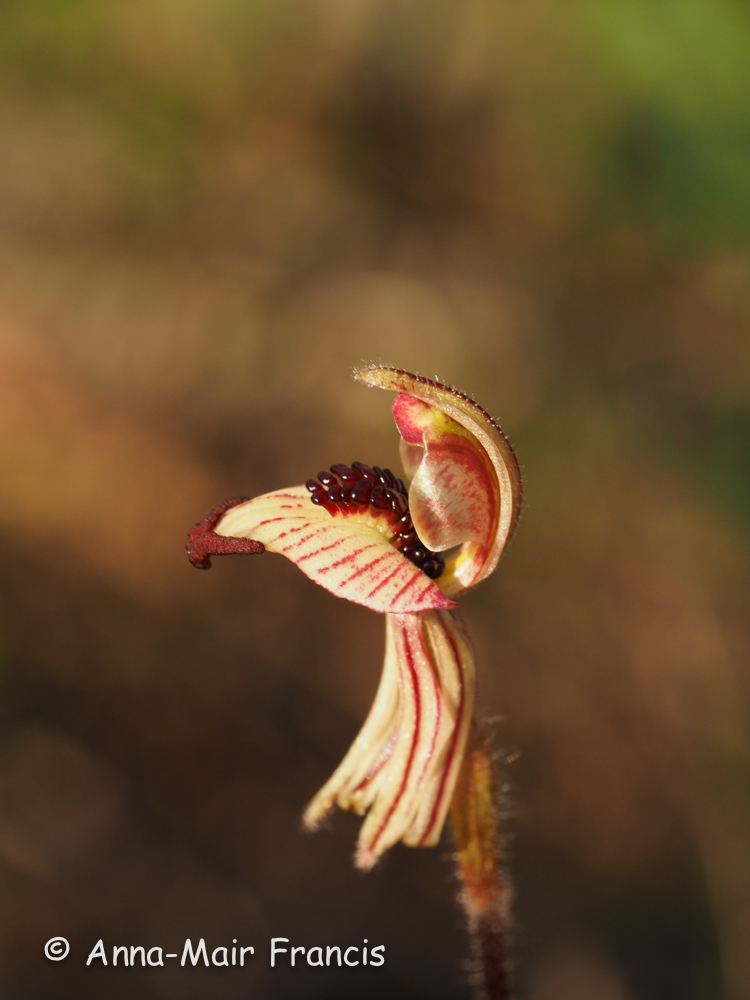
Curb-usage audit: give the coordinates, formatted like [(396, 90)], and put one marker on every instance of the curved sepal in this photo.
[(466, 484)]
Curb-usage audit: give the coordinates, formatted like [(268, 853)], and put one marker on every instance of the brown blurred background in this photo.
[(209, 212)]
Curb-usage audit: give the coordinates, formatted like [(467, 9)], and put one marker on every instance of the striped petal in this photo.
[(349, 554), (466, 484), (403, 766)]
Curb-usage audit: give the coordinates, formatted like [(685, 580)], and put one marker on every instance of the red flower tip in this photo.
[(203, 542)]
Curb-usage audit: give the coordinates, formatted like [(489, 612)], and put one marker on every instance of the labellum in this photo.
[(405, 552)]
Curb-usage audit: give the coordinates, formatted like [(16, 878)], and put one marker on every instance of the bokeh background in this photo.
[(210, 210)]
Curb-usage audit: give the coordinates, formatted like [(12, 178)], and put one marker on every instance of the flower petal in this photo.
[(352, 784), (405, 762), (348, 553), (466, 486)]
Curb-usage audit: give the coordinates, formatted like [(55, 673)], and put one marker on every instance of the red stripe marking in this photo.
[(324, 548), (292, 531), (406, 586), (439, 607), (300, 541), (346, 559), (438, 698), (454, 741), (364, 569), (417, 721), (385, 579), (439, 703)]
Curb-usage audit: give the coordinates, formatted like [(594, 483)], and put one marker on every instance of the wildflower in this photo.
[(407, 553)]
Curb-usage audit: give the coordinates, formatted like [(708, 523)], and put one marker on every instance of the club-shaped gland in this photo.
[(352, 488)]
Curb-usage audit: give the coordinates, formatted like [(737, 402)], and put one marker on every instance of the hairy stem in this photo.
[(484, 894)]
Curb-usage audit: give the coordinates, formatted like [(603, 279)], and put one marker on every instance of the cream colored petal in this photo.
[(404, 764), (352, 784), (453, 657), (420, 723)]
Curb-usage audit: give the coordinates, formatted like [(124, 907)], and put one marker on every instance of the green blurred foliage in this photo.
[(678, 152)]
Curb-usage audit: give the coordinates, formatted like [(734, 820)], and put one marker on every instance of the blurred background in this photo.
[(209, 212)]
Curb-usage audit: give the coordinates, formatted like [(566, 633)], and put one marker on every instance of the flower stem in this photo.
[(484, 893)]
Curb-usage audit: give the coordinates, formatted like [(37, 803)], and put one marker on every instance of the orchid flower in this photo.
[(406, 552)]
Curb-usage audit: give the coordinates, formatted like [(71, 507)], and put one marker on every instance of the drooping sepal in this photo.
[(402, 767)]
